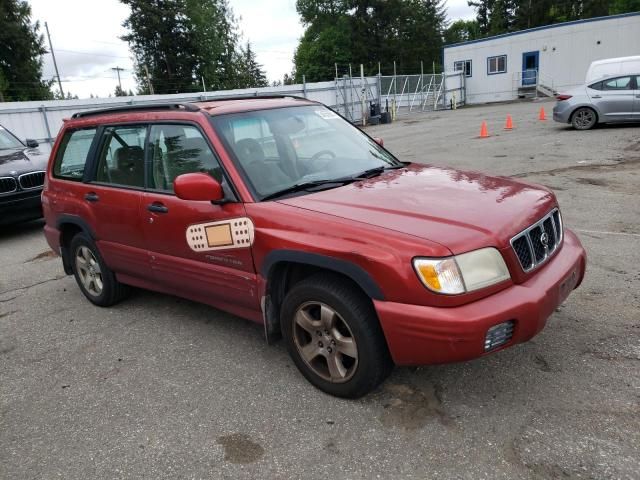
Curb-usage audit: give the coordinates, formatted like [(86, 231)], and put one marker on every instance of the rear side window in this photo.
[(596, 86), (621, 83), (72, 155), (121, 158)]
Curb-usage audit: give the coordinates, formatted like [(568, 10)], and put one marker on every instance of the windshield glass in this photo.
[(7, 140), (280, 148)]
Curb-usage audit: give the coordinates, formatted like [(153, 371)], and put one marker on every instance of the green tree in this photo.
[(21, 50), (182, 42), (366, 32), (462, 31), (500, 16), (250, 71)]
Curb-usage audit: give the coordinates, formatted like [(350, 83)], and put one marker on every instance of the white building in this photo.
[(542, 59)]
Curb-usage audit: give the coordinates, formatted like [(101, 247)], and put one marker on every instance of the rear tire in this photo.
[(96, 281), (584, 118), (334, 337)]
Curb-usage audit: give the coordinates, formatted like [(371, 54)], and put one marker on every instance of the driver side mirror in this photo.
[(199, 187), (31, 143), (379, 141)]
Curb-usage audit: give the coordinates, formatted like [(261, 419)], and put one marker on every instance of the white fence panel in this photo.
[(42, 120)]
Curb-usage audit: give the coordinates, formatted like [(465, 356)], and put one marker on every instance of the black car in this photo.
[(22, 169)]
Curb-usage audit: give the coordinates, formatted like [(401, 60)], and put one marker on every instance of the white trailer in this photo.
[(542, 60)]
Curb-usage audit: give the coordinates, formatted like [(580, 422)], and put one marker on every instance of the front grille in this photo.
[(31, 180), (498, 335), (8, 185), (538, 242)]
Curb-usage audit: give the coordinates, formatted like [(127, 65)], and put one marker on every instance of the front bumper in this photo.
[(20, 207), (420, 335)]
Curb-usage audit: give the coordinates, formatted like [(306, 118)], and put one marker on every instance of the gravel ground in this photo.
[(159, 387)]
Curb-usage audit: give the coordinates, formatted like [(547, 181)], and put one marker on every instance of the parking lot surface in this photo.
[(159, 387)]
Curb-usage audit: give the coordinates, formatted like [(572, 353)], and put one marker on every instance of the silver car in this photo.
[(611, 99)]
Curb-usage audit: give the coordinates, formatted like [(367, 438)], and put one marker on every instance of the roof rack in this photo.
[(251, 96), (129, 108)]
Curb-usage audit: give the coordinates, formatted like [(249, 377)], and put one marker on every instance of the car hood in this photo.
[(17, 161), (460, 210)]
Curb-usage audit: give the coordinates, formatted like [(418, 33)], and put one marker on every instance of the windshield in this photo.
[(7, 140), (287, 147)]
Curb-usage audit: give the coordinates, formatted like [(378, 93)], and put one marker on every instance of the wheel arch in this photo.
[(282, 269), (590, 106), (69, 226)]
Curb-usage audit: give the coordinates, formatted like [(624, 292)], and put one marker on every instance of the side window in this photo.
[(121, 158), (496, 65), (463, 66), (178, 149), (596, 86), (621, 83), (72, 155)]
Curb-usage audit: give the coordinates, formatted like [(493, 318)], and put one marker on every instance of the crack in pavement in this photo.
[(31, 286), (586, 166)]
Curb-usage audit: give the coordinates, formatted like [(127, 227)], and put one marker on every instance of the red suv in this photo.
[(280, 211)]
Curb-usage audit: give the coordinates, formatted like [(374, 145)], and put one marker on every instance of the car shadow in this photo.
[(15, 230)]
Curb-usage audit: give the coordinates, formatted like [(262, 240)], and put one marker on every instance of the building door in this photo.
[(530, 68)]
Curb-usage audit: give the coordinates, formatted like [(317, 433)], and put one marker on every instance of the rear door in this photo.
[(113, 197), (614, 98), (198, 250)]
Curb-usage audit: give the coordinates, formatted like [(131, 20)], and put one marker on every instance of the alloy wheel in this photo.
[(584, 118), (89, 271), (325, 342)]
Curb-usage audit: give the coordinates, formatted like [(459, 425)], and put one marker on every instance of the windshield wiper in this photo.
[(339, 182), (374, 172), (299, 187)]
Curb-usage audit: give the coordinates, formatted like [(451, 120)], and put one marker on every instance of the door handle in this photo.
[(91, 197), (157, 208), (596, 96)]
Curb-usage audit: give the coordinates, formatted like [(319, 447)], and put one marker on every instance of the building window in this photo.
[(496, 65), (463, 66)]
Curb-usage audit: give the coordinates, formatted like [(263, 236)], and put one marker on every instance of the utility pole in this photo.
[(118, 70), (146, 69), (55, 65)]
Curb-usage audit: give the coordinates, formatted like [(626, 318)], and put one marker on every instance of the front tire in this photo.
[(584, 118), (334, 337), (96, 281)]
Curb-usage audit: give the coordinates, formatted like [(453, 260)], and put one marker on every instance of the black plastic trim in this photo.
[(188, 107), (75, 220), (354, 272)]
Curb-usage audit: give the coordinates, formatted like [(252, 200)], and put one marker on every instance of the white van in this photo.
[(613, 66)]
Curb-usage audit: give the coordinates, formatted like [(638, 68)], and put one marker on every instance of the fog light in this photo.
[(498, 335)]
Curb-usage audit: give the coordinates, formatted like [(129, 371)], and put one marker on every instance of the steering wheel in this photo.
[(314, 159)]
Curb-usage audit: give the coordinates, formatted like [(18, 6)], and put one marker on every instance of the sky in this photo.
[(85, 37)]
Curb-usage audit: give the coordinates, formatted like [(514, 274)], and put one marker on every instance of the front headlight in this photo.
[(462, 273)]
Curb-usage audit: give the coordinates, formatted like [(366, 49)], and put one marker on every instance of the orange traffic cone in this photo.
[(483, 130), (542, 115), (509, 123)]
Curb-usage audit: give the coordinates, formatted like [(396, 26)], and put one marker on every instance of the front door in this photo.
[(198, 250), (530, 68)]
